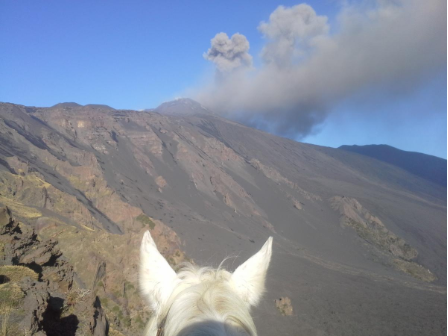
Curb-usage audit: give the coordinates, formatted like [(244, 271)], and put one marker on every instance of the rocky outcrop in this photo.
[(108, 265), (38, 291), (75, 284), (284, 306), (6, 221), (35, 303), (371, 229), (29, 196)]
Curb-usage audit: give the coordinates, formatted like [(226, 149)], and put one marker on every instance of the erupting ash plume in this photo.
[(291, 31), (388, 46), (229, 54)]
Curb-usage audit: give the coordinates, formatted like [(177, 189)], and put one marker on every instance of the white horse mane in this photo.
[(201, 301)]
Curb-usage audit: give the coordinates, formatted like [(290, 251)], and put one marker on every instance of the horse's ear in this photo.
[(157, 278), (249, 278)]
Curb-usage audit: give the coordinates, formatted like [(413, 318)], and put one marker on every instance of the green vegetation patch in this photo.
[(145, 220), (129, 286), (384, 239), (127, 321), (117, 293), (19, 208), (415, 270), (16, 273), (105, 302), (139, 321), (10, 296)]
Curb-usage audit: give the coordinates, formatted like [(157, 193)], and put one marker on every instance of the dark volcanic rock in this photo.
[(35, 304), (6, 221), (98, 324)]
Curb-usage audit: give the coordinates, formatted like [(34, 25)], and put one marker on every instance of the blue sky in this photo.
[(415, 123), (138, 54)]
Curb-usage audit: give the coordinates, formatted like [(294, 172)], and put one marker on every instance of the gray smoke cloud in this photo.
[(291, 31), (387, 46), (229, 54)]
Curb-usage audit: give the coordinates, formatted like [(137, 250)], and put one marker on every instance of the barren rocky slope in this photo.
[(359, 245)]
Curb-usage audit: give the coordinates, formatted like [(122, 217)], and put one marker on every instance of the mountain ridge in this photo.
[(428, 167), (182, 107)]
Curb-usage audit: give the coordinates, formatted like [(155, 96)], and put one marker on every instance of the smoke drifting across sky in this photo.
[(388, 46)]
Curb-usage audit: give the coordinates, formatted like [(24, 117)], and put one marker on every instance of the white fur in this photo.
[(157, 278), (200, 301), (249, 277)]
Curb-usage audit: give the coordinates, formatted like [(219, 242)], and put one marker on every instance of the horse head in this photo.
[(201, 300)]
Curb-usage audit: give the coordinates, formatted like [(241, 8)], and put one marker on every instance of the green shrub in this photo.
[(105, 302), (127, 321), (129, 286), (10, 296), (145, 220)]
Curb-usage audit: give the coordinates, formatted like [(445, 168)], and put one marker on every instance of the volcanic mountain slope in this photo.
[(428, 167), (359, 245)]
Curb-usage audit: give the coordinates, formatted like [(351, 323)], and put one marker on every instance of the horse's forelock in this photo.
[(205, 298)]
